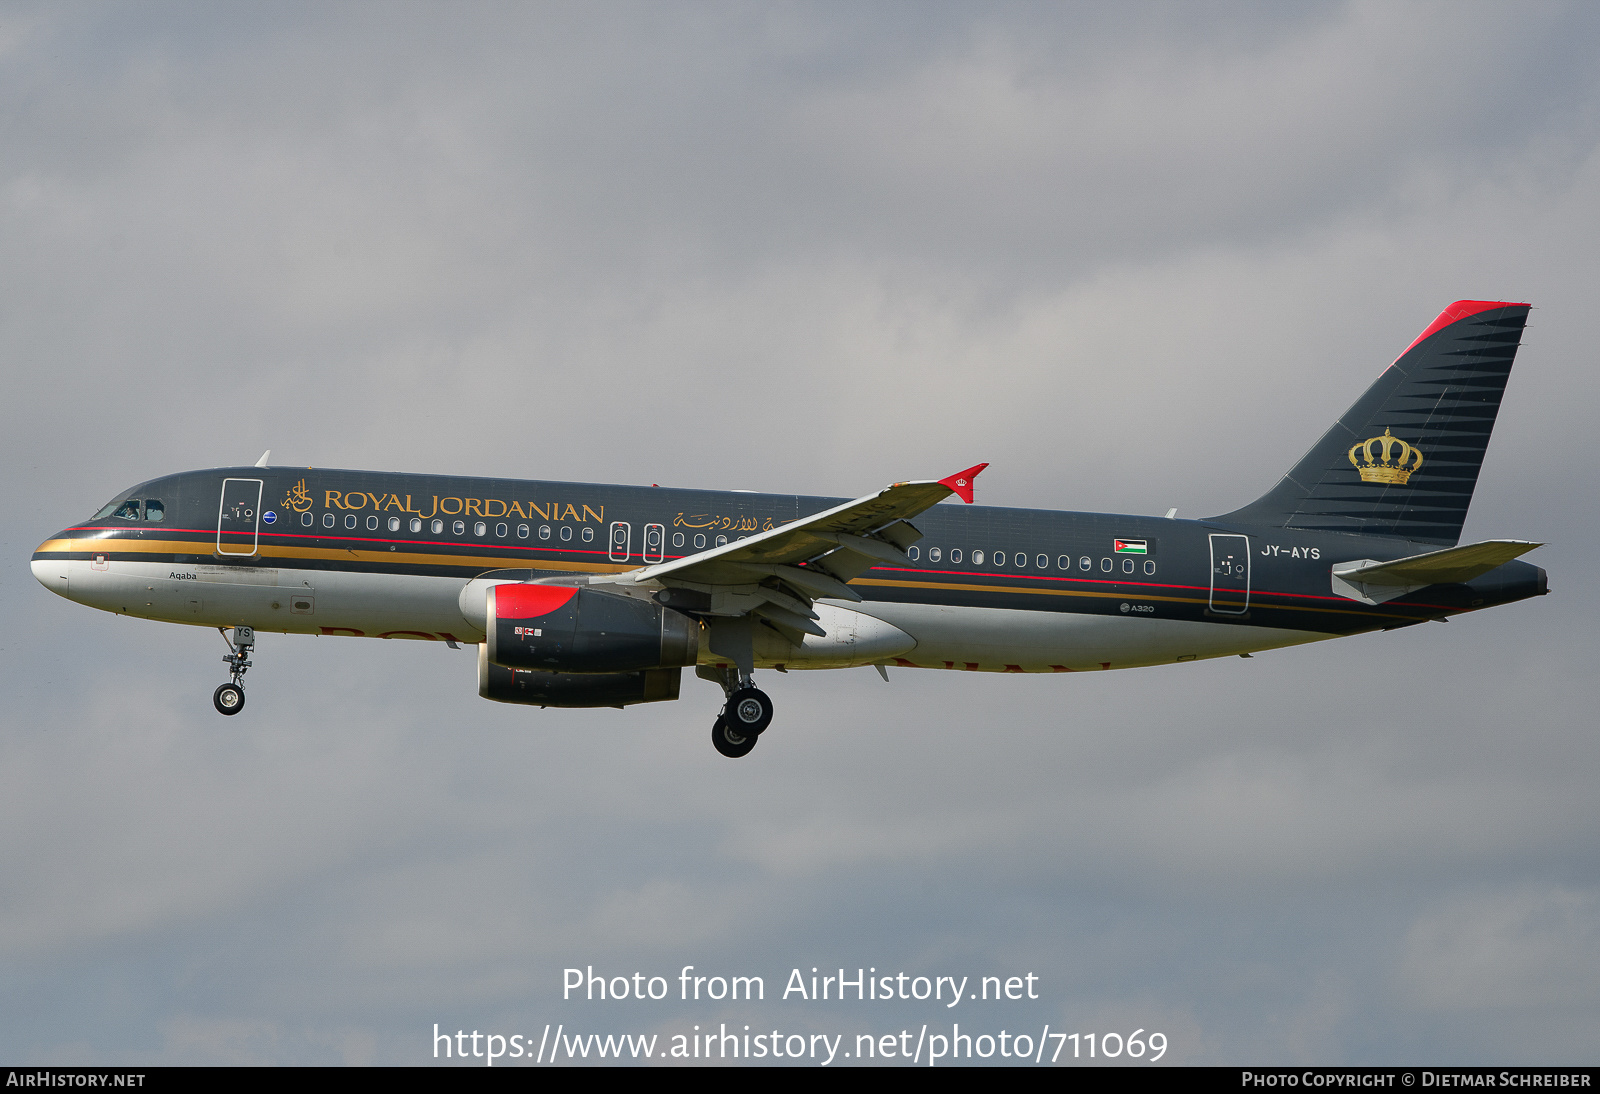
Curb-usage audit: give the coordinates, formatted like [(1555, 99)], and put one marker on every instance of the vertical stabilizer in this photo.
[(1403, 461)]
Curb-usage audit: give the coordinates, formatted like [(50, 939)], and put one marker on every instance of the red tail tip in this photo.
[(1461, 309), (961, 482)]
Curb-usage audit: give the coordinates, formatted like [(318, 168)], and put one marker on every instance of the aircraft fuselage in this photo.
[(386, 555)]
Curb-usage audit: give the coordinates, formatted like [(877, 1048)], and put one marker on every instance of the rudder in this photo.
[(1403, 461)]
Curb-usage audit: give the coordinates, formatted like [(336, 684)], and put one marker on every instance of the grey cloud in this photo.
[(1506, 950)]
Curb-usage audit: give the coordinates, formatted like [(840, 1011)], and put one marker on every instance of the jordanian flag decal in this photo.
[(1131, 547)]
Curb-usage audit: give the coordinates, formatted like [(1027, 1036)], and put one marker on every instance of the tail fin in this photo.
[(1404, 459)]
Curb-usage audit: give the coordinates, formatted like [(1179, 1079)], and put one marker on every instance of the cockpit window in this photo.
[(123, 507)]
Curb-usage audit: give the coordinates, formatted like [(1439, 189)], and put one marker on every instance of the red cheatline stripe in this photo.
[(1111, 581), (485, 543), (993, 578)]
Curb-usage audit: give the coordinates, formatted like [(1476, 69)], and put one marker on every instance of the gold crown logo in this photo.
[(1385, 459)]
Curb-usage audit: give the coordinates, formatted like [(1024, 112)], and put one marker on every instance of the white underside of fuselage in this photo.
[(332, 602), (1008, 640), (291, 601)]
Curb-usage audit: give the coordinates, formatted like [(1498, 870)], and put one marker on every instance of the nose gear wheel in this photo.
[(229, 698)]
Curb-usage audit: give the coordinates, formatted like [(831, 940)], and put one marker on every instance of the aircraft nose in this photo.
[(50, 572)]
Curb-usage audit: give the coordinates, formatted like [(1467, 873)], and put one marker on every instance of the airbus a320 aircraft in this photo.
[(590, 596)]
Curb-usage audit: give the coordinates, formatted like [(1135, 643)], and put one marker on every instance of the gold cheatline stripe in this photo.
[(343, 554), (181, 546), (1099, 595)]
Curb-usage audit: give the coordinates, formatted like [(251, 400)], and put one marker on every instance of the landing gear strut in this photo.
[(747, 712), (229, 698)]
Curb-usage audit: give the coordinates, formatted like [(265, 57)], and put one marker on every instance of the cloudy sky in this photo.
[(1136, 256)]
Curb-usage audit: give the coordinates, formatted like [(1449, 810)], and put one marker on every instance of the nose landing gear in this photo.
[(745, 715), (229, 698)]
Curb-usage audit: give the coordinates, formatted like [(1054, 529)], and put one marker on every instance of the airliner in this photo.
[(580, 595)]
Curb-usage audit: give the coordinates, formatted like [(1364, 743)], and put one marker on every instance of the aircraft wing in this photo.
[(820, 552), (773, 577), (1374, 582)]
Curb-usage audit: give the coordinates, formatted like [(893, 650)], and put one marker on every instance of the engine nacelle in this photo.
[(569, 629), (574, 689)]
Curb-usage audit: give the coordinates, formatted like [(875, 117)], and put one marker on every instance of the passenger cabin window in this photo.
[(999, 558), (416, 524), (1105, 565), (459, 527), (1150, 566), (522, 531), (955, 556), (394, 524), (933, 554), (305, 520), (722, 541), (588, 535), (438, 527), (155, 510), (566, 532), (372, 524), (977, 558), (350, 521), (544, 531), (1127, 565), (328, 520), (700, 543), (1043, 562), (1085, 563), (677, 539), (1064, 562), (913, 553), (501, 530)]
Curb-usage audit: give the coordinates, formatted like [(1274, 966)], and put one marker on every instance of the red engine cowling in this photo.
[(574, 689), (568, 629)]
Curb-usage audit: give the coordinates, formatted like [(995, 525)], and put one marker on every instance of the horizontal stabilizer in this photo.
[(1375, 582)]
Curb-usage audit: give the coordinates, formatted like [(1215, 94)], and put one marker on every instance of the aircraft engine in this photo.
[(574, 689), (568, 629)]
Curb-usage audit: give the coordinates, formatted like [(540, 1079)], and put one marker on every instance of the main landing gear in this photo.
[(229, 698), (746, 714)]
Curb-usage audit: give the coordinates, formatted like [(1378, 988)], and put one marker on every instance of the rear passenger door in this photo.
[(1230, 574)]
